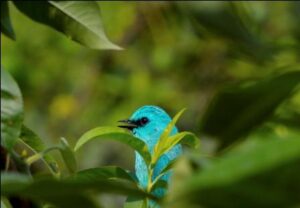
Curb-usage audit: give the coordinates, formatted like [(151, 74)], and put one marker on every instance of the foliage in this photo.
[(234, 64), (11, 110), (78, 20), (249, 106), (105, 179)]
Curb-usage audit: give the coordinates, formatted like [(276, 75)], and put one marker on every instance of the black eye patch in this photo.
[(143, 121)]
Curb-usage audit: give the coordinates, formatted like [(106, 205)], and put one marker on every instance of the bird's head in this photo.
[(147, 122)]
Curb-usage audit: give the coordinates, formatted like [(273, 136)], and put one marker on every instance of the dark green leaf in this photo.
[(33, 141), (6, 26), (260, 173), (11, 110), (108, 172), (66, 152), (11, 182), (68, 155), (117, 134), (237, 110), (78, 20), (76, 200), (24, 186), (160, 184), (52, 190)]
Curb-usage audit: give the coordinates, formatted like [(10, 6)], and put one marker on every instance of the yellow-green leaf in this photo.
[(11, 110), (164, 138), (117, 134)]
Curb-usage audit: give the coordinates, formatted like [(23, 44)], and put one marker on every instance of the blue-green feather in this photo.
[(150, 134)]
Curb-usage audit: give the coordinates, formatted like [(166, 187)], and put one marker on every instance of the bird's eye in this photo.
[(144, 121)]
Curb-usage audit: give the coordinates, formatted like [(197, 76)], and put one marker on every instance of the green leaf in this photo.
[(6, 26), (108, 172), (117, 134), (160, 184), (164, 138), (170, 127), (266, 167), (78, 20), (184, 137), (135, 202), (68, 155), (164, 171), (36, 145), (53, 190), (167, 168), (236, 110), (11, 110), (5, 203), (76, 200), (66, 152), (31, 139), (14, 184)]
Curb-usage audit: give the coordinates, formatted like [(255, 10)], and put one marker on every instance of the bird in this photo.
[(147, 123)]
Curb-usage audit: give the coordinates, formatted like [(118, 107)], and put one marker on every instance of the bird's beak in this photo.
[(128, 124)]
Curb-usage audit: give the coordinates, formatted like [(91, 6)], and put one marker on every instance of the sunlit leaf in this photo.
[(237, 110), (164, 138), (5, 203), (78, 20), (135, 202), (187, 138), (170, 126), (117, 134), (11, 110), (6, 26)]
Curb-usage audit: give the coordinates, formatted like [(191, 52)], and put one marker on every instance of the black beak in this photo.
[(128, 124)]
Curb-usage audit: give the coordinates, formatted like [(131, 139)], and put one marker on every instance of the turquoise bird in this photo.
[(148, 123)]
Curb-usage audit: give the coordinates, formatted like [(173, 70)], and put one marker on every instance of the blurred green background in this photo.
[(69, 89), (175, 55)]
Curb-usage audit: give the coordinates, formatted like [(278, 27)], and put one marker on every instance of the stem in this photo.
[(7, 162), (39, 155), (149, 184), (34, 158), (20, 163), (157, 178)]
